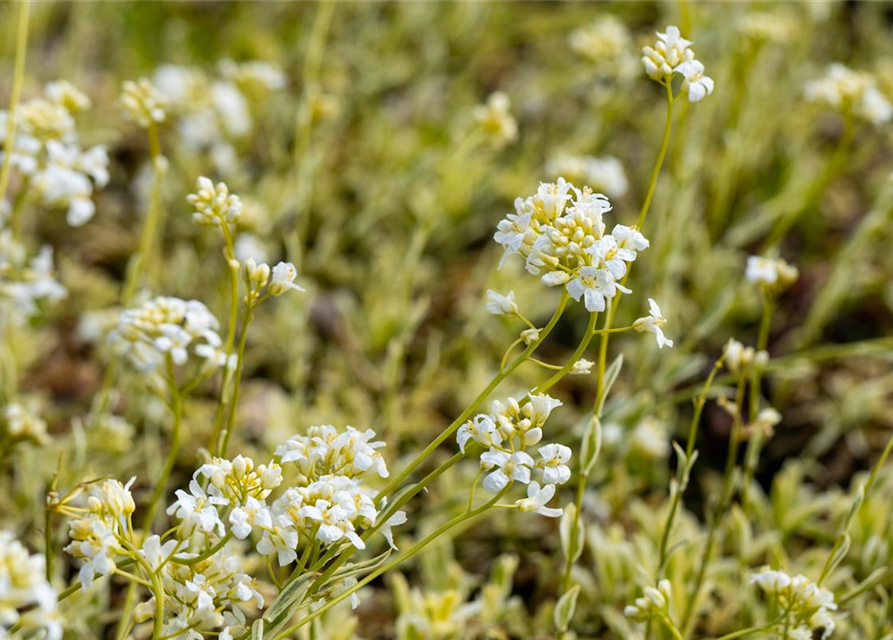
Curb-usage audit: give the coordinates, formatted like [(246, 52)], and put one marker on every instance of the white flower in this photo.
[(481, 429), (851, 91), (582, 367), (670, 50), (280, 538), (771, 273), (555, 469), (654, 603), (515, 466), (537, 498), (495, 119), (501, 304), (595, 286), (652, 323), (398, 518), (197, 510), (696, 84), (334, 523), (156, 553), (252, 513), (283, 279), (529, 336)]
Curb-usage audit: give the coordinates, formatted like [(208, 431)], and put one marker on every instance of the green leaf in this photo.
[(257, 629), (591, 445), (571, 530), (564, 610), (610, 377)]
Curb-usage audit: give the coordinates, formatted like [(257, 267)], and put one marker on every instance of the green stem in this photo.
[(138, 263), (223, 400), (689, 450), (161, 482), (15, 94), (237, 377), (661, 155)]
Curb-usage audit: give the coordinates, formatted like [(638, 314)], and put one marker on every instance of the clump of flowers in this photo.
[(495, 119), (505, 433), (165, 330), (802, 604), (560, 230), (214, 204), (21, 424), (771, 274), (142, 102), (606, 43), (603, 174), (56, 171), (27, 600), (850, 92), (672, 54), (24, 282), (740, 359)]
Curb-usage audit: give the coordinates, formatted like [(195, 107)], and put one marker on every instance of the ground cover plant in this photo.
[(446, 320)]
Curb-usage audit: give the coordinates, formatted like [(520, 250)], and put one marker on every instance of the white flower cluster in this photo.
[(167, 327), (199, 597), (505, 433), (23, 282), (560, 230), (209, 112), (655, 603), (142, 102), (214, 205), (495, 119), (672, 54), (739, 359), (805, 606), (772, 274), (22, 423), (58, 172), (280, 278), (607, 44), (604, 174), (26, 598), (100, 528), (851, 91)]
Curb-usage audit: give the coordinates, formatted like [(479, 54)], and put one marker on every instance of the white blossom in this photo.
[(537, 498), (653, 323)]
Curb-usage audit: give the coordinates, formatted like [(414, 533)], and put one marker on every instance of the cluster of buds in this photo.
[(672, 54), (58, 172), (805, 606), (654, 604), (740, 359), (214, 205), (21, 424), (560, 230), (278, 280), (773, 275), (851, 92), (142, 102), (505, 433)]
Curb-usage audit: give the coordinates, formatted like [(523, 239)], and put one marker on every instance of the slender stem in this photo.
[(661, 155), (689, 450), (207, 553), (138, 263), (247, 317), (15, 94), (725, 497), (158, 590), (223, 400), (406, 555), (161, 482), (755, 444)]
